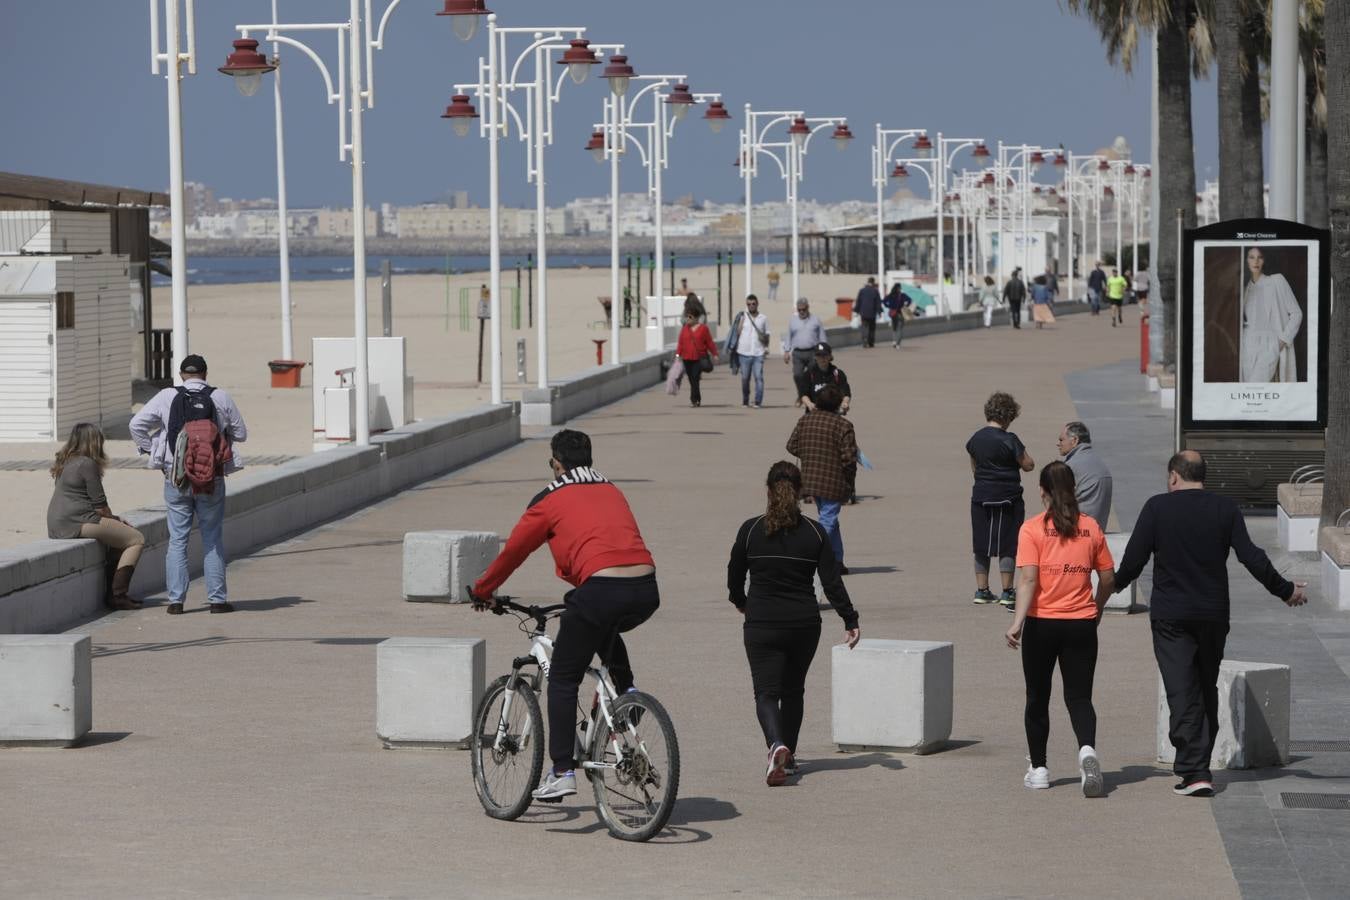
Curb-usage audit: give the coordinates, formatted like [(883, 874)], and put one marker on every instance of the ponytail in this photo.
[(1058, 483), (785, 485)]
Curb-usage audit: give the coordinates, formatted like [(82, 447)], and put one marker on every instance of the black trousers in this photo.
[(1073, 644), (596, 614), (869, 332), (1189, 654), (693, 373), (1015, 312), (779, 660)]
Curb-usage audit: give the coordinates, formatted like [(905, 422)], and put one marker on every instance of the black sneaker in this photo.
[(984, 596), (1199, 787), (221, 607), (1008, 598), (174, 609)]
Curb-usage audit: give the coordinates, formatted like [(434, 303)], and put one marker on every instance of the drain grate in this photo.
[(1322, 746), (1315, 801)]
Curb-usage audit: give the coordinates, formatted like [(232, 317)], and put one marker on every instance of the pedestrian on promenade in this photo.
[(205, 423), (1014, 292), (1189, 533), (1052, 282), (1141, 289), (1115, 295), (749, 341), (697, 351), (598, 549), (773, 282), (823, 372), (1041, 308), (1096, 285), (997, 458), (783, 551), (988, 300), (868, 306), (79, 509), (1091, 477), (827, 447), (1055, 621), (804, 332), (895, 302), (694, 306)]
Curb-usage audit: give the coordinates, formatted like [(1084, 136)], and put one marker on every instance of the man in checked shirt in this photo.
[(825, 444)]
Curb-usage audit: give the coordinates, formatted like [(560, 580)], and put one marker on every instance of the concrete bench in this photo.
[(1300, 508), (1254, 706), (46, 690), (1335, 546), (1126, 601), (437, 565), (426, 690), (1167, 390), (892, 695)]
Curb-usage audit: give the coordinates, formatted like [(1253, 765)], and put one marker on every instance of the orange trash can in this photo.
[(843, 307), (285, 372)]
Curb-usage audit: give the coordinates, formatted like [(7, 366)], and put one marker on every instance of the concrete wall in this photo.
[(570, 397), (50, 585)]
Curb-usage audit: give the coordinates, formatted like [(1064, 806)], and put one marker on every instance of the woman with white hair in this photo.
[(1270, 321)]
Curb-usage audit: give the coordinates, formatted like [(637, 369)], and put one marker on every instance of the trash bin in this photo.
[(843, 307), (285, 372)]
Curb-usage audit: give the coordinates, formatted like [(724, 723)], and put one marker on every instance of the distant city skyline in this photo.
[(100, 115)]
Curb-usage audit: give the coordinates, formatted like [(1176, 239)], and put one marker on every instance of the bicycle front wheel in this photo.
[(506, 772), (635, 768)]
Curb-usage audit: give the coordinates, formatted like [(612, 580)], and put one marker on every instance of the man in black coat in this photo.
[(1014, 292), (868, 307)]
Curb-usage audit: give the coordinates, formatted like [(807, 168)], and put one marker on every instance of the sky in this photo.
[(82, 103)]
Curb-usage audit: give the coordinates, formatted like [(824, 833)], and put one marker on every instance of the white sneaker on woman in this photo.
[(1090, 771), (1037, 778)]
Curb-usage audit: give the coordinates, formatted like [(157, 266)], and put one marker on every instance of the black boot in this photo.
[(121, 582)]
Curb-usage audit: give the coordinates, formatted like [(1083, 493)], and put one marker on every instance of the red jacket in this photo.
[(587, 524), (694, 342)]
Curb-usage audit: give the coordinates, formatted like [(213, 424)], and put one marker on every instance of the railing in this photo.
[(1310, 474)]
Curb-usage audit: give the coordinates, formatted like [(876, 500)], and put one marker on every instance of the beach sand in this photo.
[(237, 328)]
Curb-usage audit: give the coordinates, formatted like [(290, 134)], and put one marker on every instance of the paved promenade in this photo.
[(236, 755)]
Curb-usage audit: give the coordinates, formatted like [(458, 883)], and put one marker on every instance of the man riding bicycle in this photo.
[(599, 551)]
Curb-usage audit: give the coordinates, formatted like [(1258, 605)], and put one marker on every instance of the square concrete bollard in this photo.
[(46, 690), (1254, 706), (892, 695), (1300, 508), (1335, 546), (426, 690), (438, 564), (1167, 391), (1126, 601)]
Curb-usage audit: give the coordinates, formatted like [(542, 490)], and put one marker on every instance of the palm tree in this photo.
[(1239, 30), (1176, 23), (1336, 34)]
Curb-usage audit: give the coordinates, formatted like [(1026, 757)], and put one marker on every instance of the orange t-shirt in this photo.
[(1065, 567)]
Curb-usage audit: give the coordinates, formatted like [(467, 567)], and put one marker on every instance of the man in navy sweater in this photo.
[(1189, 531)]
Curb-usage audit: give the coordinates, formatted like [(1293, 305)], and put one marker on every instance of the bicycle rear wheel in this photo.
[(638, 773), (505, 777)]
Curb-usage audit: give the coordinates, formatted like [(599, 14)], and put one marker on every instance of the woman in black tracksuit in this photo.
[(782, 551)]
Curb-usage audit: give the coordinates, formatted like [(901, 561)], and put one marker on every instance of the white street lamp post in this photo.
[(283, 232), (887, 139), (173, 58), (1074, 176)]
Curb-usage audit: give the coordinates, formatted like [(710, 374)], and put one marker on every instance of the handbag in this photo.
[(705, 363)]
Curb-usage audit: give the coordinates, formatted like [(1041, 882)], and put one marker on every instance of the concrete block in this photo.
[(1153, 385), (1297, 534), (1254, 707), (892, 695), (1167, 398), (1335, 583), (1126, 601), (426, 690), (46, 690), (437, 565), (1335, 543)]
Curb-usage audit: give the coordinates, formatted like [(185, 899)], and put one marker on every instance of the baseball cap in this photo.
[(823, 349), (192, 364)]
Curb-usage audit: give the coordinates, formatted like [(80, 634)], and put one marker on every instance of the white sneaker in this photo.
[(1090, 771), (1037, 778), (556, 786)]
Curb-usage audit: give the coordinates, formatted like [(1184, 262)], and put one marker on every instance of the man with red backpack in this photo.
[(189, 432)]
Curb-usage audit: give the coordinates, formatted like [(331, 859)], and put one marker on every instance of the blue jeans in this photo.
[(209, 510), (1095, 300), (829, 520), (752, 365)]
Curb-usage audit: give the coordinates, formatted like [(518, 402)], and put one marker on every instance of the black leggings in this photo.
[(779, 660), (1073, 644), (596, 613), (693, 371)]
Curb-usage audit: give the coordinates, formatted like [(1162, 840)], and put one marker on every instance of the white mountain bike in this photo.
[(625, 743)]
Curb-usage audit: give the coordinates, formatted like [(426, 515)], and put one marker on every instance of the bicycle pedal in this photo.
[(548, 799)]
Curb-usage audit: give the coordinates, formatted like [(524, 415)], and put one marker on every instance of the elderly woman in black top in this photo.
[(782, 551), (997, 458)]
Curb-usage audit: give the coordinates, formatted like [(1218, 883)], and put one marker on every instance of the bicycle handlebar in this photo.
[(504, 603)]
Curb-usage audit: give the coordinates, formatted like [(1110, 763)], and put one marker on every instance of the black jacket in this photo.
[(782, 569), (813, 379), (868, 303)]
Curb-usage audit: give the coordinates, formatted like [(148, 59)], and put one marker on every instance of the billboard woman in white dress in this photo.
[(1270, 321)]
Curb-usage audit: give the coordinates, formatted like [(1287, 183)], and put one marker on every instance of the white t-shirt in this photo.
[(748, 342)]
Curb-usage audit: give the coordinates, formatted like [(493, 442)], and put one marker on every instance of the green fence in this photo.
[(468, 306)]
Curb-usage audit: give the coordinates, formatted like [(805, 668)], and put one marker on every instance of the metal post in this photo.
[(177, 214), (939, 163), (1068, 199), (361, 377), (879, 179), (386, 298), (283, 237), (654, 160), (719, 287), (794, 163), (529, 284), (615, 148), (748, 160), (1117, 202), (520, 360), (542, 82), (1284, 109)]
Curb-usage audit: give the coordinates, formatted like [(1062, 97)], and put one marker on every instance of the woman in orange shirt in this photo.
[(1055, 621)]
